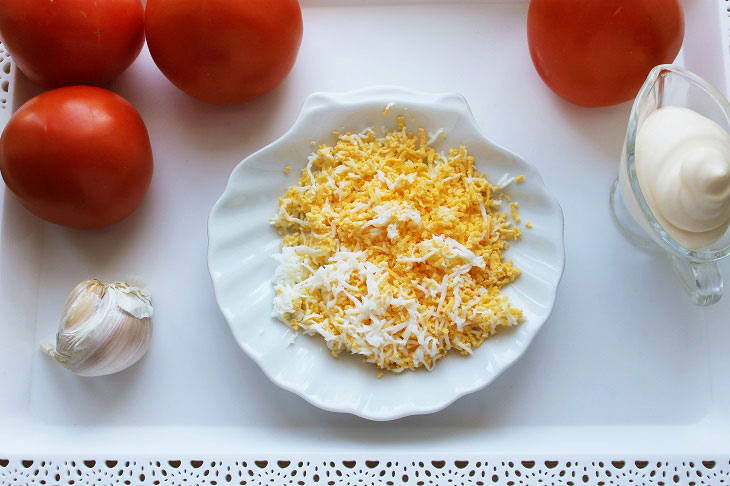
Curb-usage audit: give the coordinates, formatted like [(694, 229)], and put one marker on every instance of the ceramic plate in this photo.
[(242, 243)]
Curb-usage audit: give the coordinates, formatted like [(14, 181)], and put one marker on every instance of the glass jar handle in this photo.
[(702, 281)]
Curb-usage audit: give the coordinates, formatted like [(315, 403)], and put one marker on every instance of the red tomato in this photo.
[(61, 42), (598, 52), (224, 51), (78, 156)]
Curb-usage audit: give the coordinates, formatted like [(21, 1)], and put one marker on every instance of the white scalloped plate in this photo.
[(242, 242)]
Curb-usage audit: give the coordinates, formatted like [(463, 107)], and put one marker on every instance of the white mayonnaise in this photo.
[(683, 168)]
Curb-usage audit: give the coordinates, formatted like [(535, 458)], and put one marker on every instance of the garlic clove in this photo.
[(82, 302), (104, 329)]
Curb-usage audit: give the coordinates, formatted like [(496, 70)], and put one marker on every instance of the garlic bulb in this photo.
[(105, 328)]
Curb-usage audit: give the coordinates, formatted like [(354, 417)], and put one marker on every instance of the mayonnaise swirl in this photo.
[(683, 168)]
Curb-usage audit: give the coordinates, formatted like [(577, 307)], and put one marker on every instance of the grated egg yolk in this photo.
[(393, 251)]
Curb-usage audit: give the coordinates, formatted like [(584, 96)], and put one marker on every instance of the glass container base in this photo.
[(702, 282)]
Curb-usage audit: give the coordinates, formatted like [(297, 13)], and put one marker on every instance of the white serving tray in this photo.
[(625, 370)]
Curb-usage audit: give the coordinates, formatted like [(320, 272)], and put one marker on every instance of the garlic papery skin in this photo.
[(105, 328)]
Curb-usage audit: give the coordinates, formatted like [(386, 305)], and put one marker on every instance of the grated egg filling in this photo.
[(393, 251)]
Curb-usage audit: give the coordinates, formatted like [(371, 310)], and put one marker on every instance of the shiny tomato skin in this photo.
[(599, 52), (224, 51), (63, 42), (78, 156)]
